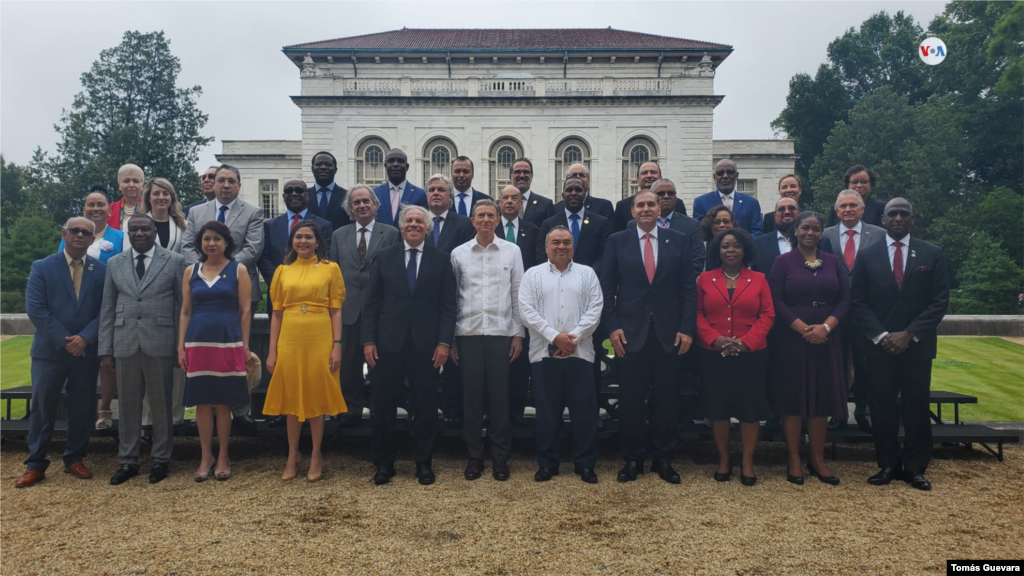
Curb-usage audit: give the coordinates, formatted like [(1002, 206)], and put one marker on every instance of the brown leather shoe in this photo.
[(29, 478), (78, 470)]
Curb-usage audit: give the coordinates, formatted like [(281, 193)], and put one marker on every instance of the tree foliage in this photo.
[(989, 280), (31, 237), (130, 111)]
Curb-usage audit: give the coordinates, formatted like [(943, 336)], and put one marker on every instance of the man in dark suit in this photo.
[(598, 206), (397, 190), (665, 190), (746, 211), (646, 175), (277, 231), (325, 197), (536, 208), (590, 231), (770, 246), (650, 310), (63, 301), (525, 235), (448, 231), (861, 180), (206, 180), (408, 327), (353, 248), (463, 194), (899, 293)]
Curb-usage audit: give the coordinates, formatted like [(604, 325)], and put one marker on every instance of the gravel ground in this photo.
[(255, 524)]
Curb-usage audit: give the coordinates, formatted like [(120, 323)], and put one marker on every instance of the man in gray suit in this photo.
[(848, 238), (138, 336), (246, 224), (353, 248)]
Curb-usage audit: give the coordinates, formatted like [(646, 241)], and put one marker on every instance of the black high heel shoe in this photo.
[(719, 477), (798, 480), (832, 480)]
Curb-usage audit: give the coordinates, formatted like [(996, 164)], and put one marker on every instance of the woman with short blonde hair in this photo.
[(129, 181)]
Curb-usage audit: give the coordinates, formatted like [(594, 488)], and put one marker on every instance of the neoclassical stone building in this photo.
[(609, 98)]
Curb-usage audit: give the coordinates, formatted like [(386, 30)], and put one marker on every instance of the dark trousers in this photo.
[(48, 378), (861, 388), (910, 380), (651, 371), (485, 367), (573, 380), (386, 381), (351, 373), (451, 389), (519, 383)]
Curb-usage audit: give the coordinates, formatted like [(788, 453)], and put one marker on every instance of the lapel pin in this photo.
[(90, 267), (223, 275), (534, 201), (913, 254), (585, 221)]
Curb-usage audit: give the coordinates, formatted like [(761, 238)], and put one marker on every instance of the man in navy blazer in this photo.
[(650, 311), (277, 231), (397, 190), (325, 196), (463, 193), (598, 206), (64, 349), (590, 231), (746, 211)]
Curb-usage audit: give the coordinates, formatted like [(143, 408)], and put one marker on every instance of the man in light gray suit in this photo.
[(353, 248), (138, 335), (246, 224), (848, 238)]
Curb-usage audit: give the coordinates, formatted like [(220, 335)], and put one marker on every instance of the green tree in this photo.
[(12, 197), (1006, 52), (989, 280), (953, 231), (31, 237), (999, 215), (882, 52), (130, 111)]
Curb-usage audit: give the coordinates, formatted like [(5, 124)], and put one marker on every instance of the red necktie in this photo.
[(649, 258), (295, 220), (897, 265), (850, 250)]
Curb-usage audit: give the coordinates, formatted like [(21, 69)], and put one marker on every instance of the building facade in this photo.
[(611, 99)]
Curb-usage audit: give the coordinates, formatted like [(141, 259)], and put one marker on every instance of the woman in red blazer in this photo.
[(130, 180), (734, 315)]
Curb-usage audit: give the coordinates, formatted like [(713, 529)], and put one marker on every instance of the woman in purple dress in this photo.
[(811, 296)]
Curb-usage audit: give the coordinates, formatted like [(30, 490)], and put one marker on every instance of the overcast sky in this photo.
[(233, 50)]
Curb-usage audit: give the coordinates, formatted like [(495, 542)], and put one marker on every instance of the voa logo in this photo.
[(932, 51)]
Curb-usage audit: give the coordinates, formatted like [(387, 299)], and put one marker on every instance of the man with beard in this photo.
[(646, 176), (593, 205), (464, 195), (206, 186), (397, 190), (746, 211), (326, 198), (771, 246), (537, 208)]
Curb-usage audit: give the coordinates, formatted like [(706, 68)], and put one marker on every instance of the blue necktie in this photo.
[(462, 204), (437, 229), (220, 217), (323, 201), (575, 227), (410, 270)]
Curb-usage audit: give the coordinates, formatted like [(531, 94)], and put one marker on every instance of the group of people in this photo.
[(491, 298)]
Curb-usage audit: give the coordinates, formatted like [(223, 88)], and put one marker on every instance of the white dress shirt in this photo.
[(488, 281), (784, 246), (216, 211), (504, 227), (526, 196), (369, 232), (581, 214), (654, 243), (843, 237), (148, 255), (419, 256), (553, 302), (905, 241), (727, 199)]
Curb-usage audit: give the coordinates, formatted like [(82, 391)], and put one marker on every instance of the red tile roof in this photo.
[(418, 39)]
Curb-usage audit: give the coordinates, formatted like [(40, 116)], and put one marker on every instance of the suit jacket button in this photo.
[(729, 319), (140, 299)]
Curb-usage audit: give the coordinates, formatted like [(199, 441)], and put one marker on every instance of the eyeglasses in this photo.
[(208, 177), (725, 173), (900, 213), (295, 190), (663, 193), (720, 222), (230, 181), (579, 175), (82, 231), (787, 209), (522, 172)]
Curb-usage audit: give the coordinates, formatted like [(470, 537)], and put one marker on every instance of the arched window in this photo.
[(438, 155), (503, 153), (636, 152), (370, 161), (569, 152)]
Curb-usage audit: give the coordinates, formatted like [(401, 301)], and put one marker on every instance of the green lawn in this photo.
[(990, 368)]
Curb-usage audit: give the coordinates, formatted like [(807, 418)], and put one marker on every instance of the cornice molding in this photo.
[(506, 101)]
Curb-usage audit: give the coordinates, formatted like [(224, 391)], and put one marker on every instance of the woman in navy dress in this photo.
[(213, 342), (811, 295)]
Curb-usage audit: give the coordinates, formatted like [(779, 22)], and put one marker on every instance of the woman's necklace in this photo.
[(733, 278), (129, 211)]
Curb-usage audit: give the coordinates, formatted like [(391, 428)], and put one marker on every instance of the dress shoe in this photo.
[(29, 478), (383, 475), (836, 424), (203, 476), (124, 473), (885, 476), (666, 472), (864, 423), (545, 474), (588, 475), (474, 469), (831, 480), (310, 477), (158, 471), (919, 482), (500, 471), (747, 480), (798, 480), (277, 421), (243, 423), (724, 477), (425, 474), (630, 471), (78, 470)]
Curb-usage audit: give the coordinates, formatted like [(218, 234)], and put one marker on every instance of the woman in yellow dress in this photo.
[(305, 343)]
